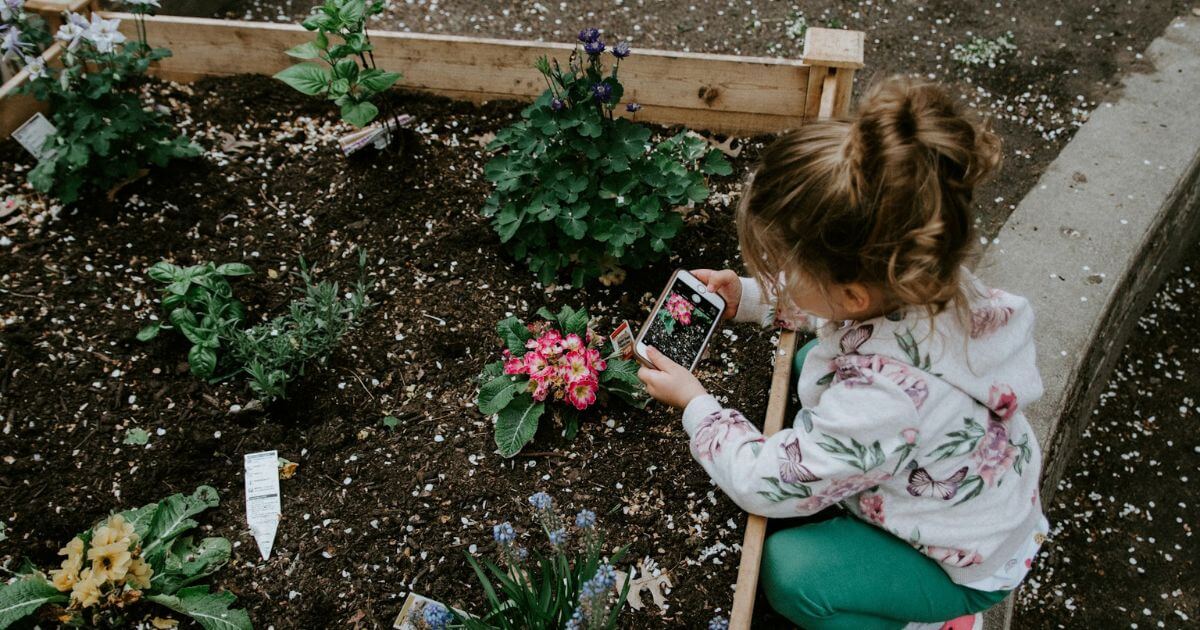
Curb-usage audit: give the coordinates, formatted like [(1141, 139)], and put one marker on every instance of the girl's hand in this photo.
[(724, 283), (668, 382)]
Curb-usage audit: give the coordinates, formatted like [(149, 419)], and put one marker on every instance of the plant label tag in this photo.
[(622, 340), (32, 134), (262, 498)]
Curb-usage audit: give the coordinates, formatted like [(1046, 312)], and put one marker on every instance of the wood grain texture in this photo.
[(720, 92), (834, 48)]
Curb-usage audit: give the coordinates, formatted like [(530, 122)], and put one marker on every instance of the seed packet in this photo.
[(622, 340)]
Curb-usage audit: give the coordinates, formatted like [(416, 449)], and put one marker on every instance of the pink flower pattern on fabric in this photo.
[(987, 319), (715, 429), (1002, 401), (840, 489), (995, 455), (871, 507)]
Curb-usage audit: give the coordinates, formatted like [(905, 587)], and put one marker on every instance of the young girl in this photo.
[(911, 393)]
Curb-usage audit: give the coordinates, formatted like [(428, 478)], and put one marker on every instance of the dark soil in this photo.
[(371, 513), (1069, 54), (1123, 552)]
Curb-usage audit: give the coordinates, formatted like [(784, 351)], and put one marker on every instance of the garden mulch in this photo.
[(372, 513)]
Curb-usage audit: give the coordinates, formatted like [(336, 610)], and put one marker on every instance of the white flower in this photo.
[(72, 31), (104, 34), (11, 10), (11, 44), (36, 68)]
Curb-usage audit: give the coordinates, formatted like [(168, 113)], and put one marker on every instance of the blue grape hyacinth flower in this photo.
[(541, 501), (558, 537), (504, 533), (436, 616), (621, 50), (586, 519), (718, 623)]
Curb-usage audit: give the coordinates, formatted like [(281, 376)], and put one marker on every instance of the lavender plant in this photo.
[(105, 133), (351, 80), (580, 189), (571, 587)]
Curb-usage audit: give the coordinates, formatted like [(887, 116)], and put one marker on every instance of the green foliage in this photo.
[(578, 189), (981, 51), (348, 75), (518, 389), (199, 302), (105, 133), (176, 562)]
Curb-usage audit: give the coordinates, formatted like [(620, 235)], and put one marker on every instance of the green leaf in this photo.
[(149, 332), (346, 69), (173, 517), (186, 562), (715, 164), (203, 361), (23, 597), (517, 423), (210, 610), (306, 78), (378, 80), (391, 422), (235, 269), (497, 393), (307, 50), (136, 437), (163, 271), (573, 322), (514, 334), (359, 114)]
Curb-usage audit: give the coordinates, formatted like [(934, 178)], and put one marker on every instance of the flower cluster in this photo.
[(22, 37), (601, 90), (594, 600), (436, 616), (116, 569), (102, 34), (563, 367), (680, 309)]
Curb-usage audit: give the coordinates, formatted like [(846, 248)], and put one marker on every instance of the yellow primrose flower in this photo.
[(64, 578), (87, 590), (139, 573), (110, 562), (115, 530)]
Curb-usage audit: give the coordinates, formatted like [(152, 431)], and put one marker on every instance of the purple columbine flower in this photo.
[(557, 104), (633, 108), (621, 50), (602, 92), (589, 35), (594, 48)]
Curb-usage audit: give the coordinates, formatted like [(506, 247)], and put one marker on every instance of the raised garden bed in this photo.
[(373, 511)]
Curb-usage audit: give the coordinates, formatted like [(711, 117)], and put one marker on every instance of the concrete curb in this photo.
[(1091, 243)]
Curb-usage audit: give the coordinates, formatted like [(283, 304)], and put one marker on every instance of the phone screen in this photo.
[(680, 326)]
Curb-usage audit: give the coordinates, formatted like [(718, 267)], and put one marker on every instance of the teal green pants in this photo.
[(842, 573)]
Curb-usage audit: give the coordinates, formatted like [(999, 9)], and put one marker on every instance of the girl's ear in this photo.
[(856, 298)]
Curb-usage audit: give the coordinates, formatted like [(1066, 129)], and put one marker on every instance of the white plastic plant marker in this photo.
[(32, 134), (262, 498)]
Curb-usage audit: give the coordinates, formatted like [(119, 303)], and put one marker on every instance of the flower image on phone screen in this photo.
[(681, 325)]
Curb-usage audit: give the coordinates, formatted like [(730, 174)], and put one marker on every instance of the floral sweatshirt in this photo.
[(917, 431)]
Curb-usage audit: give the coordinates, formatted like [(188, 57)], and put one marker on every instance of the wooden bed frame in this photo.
[(721, 93)]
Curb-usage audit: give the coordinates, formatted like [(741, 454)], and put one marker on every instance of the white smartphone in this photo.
[(682, 322)]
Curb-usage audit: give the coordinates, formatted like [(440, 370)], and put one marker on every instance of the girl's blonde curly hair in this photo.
[(881, 198)]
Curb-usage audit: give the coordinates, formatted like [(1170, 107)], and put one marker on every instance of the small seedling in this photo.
[(981, 51), (136, 437), (391, 422)]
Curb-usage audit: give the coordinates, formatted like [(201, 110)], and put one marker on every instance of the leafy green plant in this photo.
[(580, 189), (349, 77), (981, 51), (569, 587), (23, 38), (199, 302), (136, 555), (105, 134), (556, 360)]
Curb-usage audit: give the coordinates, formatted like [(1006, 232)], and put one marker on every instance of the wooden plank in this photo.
[(756, 526), (15, 108), (53, 10), (834, 48), (812, 102), (755, 94), (845, 85)]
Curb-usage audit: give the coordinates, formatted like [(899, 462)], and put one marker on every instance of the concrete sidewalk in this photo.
[(1092, 241)]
